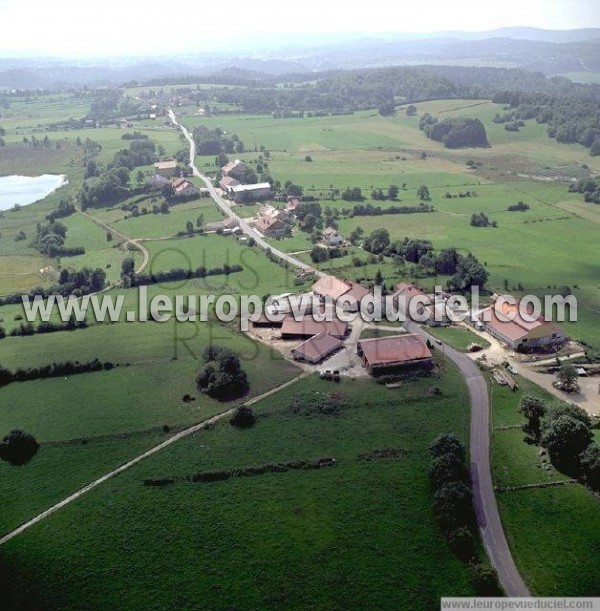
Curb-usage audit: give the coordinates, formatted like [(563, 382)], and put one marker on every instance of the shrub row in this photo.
[(55, 370), (48, 327), (222, 475), (178, 274)]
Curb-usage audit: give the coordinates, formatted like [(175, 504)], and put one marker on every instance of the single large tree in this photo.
[(566, 438), (534, 409), (18, 447)]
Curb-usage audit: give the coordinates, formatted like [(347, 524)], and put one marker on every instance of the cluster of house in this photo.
[(167, 172), (272, 221), (232, 176), (322, 338), (518, 334)]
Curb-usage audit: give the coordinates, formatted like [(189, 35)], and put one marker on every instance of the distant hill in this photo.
[(547, 51)]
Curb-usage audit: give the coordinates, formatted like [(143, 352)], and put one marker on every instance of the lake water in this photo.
[(25, 190)]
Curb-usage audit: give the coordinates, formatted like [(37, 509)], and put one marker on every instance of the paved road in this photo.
[(134, 461), (226, 208), (486, 508), (488, 517)]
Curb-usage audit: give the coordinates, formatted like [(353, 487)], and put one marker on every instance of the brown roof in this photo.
[(180, 184), (308, 327), (518, 327), (330, 286), (292, 204), (232, 165), (395, 349), (357, 292), (265, 223), (228, 181), (330, 231), (409, 290), (317, 347)]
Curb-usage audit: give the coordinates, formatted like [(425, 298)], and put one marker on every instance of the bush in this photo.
[(453, 504), (485, 580), (447, 468), (18, 447), (462, 543), (447, 444), (243, 417), (222, 377)]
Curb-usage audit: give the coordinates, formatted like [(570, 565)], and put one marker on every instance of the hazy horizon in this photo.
[(94, 29)]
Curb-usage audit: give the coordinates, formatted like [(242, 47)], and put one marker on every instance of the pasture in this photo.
[(550, 530), (359, 533)]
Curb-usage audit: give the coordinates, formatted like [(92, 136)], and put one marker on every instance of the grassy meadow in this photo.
[(360, 533), (552, 532)]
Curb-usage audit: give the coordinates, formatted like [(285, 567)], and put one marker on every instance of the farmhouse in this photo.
[(246, 193), (518, 333), (227, 183), (381, 354), (292, 204), (330, 286), (234, 169), (332, 237), (166, 168), (184, 188), (270, 226), (317, 348), (308, 327)]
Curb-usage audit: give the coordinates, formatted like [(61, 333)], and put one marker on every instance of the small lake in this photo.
[(25, 190)]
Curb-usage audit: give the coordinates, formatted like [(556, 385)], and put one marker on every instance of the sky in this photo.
[(87, 28)]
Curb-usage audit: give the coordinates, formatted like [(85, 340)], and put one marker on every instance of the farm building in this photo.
[(356, 293), (227, 183), (263, 322), (330, 286), (184, 188), (166, 168), (308, 327), (234, 169), (518, 333), (228, 223), (317, 348), (410, 291), (332, 237), (246, 193), (292, 204), (384, 353), (271, 212), (270, 226)]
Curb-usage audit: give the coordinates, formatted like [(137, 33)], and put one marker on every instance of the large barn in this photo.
[(385, 353), (317, 348), (518, 333)]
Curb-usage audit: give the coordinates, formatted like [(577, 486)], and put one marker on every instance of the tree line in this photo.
[(55, 370)]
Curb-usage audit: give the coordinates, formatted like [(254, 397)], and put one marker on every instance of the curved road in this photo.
[(486, 507), (224, 206)]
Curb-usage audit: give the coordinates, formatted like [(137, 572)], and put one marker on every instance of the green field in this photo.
[(458, 337), (550, 530), (246, 541), (359, 535), (536, 249)]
